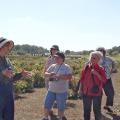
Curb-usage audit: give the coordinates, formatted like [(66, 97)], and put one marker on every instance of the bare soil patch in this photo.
[(29, 106)]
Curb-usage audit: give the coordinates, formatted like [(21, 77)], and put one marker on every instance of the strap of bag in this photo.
[(58, 69), (93, 79)]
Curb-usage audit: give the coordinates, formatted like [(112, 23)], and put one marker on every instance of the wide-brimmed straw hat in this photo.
[(3, 41)]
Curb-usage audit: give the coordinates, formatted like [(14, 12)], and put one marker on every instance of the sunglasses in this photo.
[(53, 49)]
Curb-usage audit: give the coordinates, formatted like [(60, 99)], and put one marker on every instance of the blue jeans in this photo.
[(59, 97), (87, 104), (109, 92)]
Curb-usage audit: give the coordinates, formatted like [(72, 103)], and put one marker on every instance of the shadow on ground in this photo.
[(114, 116), (20, 96), (68, 105)]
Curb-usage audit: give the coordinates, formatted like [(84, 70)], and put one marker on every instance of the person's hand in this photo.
[(52, 74), (94, 72), (26, 73), (8, 73), (57, 76), (80, 94), (114, 71)]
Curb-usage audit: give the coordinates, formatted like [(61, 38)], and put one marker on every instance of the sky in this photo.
[(74, 25)]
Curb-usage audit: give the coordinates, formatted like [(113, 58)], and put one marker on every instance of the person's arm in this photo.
[(64, 77), (82, 73), (103, 75), (80, 92), (16, 77), (114, 69), (94, 72), (67, 75), (77, 86), (21, 75), (48, 72)]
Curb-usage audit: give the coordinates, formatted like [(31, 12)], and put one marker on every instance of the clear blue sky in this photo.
[(72, 24)]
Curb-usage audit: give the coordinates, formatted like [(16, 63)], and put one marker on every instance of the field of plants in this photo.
[(36, 66), (29, 93)]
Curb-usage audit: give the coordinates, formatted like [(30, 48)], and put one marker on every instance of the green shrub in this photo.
[(38, 80), (20, 86)]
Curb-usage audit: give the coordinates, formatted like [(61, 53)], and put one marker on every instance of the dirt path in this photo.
[(29, 106)]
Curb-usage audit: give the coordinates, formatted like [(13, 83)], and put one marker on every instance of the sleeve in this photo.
[(51, 68), (78, 85), (82, 75), (5, 64), (46, 64), (2, 66), (9, 65), (103, 75), (114, 69), (68, 70)]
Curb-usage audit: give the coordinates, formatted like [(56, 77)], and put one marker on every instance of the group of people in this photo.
[(95, 76)]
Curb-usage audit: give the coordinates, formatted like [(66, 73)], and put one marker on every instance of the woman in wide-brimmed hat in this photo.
[(7, 77)]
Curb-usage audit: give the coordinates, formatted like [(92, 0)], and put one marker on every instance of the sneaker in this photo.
[(108, 108), (51, 113), (45, 119), (64, 118)]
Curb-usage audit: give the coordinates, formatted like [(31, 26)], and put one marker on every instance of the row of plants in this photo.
[(35, 64)]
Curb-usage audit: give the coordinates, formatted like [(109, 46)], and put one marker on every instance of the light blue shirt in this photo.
[(109, 66)]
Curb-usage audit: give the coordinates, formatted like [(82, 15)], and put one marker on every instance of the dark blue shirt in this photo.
[(5, 64)]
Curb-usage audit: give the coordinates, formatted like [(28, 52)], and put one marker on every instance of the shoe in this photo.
[(64, 118), (51, 113), (45, 119), (108, 108)]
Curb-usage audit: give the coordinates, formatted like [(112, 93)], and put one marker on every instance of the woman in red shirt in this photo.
[(91, 84)]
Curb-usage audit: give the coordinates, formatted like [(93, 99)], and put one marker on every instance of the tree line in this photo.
[(33, 50)]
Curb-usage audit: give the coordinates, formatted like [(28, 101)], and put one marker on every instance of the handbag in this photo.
[(95, 88)]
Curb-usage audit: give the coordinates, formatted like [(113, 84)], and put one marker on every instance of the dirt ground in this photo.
[(29, 106)]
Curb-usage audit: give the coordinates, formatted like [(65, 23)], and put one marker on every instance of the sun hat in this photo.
[(55, 47), (3, 41)]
